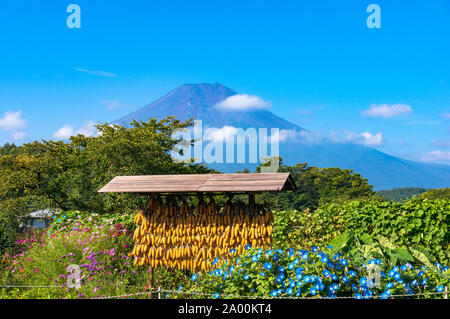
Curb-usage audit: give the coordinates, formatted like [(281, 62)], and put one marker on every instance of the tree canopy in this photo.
[(67, 175), (318, 186)]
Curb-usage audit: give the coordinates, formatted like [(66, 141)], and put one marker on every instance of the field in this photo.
[(335, 252)]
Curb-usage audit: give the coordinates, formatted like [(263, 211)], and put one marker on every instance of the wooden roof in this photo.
[(240, 182)]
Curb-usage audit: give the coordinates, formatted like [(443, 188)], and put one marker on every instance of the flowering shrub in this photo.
[(314, 274), (418, 223), (100, 246)]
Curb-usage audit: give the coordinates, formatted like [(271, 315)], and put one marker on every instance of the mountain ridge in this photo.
[(384, 171)]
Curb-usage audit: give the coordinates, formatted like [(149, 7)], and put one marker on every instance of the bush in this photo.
[(418, 224), (313, 274)]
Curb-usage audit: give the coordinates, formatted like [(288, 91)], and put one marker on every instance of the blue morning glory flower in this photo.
[(248, 246), (246, 277), (390, 285), (291, 266), (254, 258), (216, 295), (314, 249), (281, 269), (324, 259), (268, 266), (345, 279), (298, 276), (273, 293), (440, 288), (424, 282), (326, 273), (289, 291), (194, 277), (312, 291), (262, 274), (343, 262)]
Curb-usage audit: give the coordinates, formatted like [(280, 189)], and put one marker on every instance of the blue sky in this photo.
[(317, 63)]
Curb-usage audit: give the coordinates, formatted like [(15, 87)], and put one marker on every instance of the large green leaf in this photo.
[(385, 242), (421, 257), (340, 242)]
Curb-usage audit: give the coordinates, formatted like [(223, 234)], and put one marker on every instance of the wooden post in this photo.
[(446, 290), (150, 281), (251, 203)]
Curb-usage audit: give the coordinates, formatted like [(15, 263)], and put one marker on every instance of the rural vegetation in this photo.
[(326, 235)]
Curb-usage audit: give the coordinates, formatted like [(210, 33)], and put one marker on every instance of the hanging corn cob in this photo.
[(174, 235)]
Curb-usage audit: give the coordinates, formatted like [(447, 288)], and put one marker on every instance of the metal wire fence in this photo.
[(161, 293)]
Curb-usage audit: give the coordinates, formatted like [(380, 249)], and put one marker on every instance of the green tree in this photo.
[(10, 149), (318, 186), (439, 193), (401, 194), (67, 175)]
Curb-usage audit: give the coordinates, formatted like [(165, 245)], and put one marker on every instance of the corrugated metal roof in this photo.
[(239, 182)]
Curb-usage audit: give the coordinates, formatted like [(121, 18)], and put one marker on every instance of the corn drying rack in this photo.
[(171, 233)]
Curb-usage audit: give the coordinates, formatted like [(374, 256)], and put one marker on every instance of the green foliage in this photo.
[(7, 237), (318, 186), (300, 230), (10, 149), (67, 176), (364, 248), (284, 273), (416, 224), (401, 194), (440, 193)]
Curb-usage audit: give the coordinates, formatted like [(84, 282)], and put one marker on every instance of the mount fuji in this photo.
[(204, 101)]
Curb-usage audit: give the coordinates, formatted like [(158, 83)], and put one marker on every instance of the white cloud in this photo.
[(436, 156), (12, 121), (304, 137), (241, 102), (387, 111), (96, 72), (64, 132), (364, 138), (88, 129), (218, 135), (69, 130), (19, 135)]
